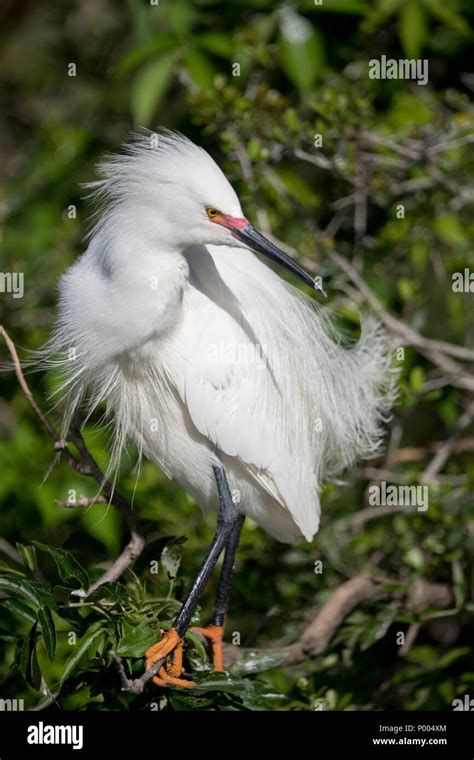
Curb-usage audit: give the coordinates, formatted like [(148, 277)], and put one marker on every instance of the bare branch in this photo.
[(82, 501), (86, 466), (415, 453), (356, 522), (444, 451), (134, 685), (386, 142), (361, 588), (125, 559), (317, 635), (59, 444), (407, 333)]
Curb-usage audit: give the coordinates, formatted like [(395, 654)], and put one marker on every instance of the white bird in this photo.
[(224, 375)]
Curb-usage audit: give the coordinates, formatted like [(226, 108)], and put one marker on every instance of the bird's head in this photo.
[(170, 180)]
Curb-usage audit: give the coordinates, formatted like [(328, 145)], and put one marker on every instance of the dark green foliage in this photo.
[(393, 142)]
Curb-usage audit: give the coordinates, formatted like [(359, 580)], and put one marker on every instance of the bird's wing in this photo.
[(225, 385), (225, 376)]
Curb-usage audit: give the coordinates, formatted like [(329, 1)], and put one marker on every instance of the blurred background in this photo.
[(382, 206)]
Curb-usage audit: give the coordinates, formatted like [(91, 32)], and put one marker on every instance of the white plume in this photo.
[(282, 429)]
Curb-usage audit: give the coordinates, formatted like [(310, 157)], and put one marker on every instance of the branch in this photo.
[(125, 559), (443, 453), (82, 501), (383, 473), (356, 522), (438, 352), (89, 467), (411, 336), (317, 635), (59, 444), (134, 685), (415, 453), (361, 588)]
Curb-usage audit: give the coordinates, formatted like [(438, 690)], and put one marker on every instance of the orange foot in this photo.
[(215, 634), (168, 674)]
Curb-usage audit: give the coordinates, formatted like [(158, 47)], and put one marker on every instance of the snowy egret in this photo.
[(229, 379)]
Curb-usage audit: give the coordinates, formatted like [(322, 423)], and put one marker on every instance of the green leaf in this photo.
[(181, 17), (69, 570), (417, 378), (261, 700), (8, 639), (149, 88), (414, 557), (380, 12), (80, 649), (378, 626), (28, 554), (301, 49), (441, 10), (184, 703), (135, 643), (449, 228), (257, 662), (138, 55), (48, 630), (111, 591), (225, 683), (298, 188), (20, 586), (200, 651), (454, 654), (413, 30), (264, 27), (406, 288), (20, 608), (216, 43), (200, 70), (28, 660), (171, 557), (354, 7), (96, 647), (105, 525)]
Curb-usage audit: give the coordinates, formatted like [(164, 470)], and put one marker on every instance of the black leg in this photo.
[(228, 517), (225, 580)]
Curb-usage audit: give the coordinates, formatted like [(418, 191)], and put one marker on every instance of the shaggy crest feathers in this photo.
[(146, 168)]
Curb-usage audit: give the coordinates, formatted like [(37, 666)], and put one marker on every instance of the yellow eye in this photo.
[(212, 212)]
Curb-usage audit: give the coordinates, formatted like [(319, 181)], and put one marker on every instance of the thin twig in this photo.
[(443, 453), (81, 502), (411, 336), (400, 477), (60, 445), (86, 466), (125, 559), (134, 685)]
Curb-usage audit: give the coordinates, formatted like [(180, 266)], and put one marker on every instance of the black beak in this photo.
[(252, 237)]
